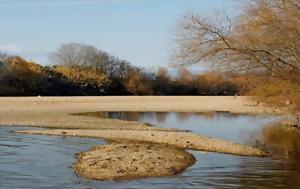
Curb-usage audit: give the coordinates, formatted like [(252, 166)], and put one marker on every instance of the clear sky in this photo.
[(140, 31)]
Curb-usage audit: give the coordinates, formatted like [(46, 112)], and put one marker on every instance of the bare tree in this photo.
[(76, 54), (266, 38), (3, 56), (3, 69)]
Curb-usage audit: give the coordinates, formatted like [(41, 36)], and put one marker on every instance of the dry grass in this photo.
[(278, 93)]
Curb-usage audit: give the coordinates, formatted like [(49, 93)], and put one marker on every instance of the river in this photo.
[(33, 161)]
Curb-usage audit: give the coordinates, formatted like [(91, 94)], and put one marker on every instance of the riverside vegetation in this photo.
[(260, 51), (255, 62), (264, 41), (97, 73)]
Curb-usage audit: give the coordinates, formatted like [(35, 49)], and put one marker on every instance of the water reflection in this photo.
[(41, 161), (215, 124), (270, 173), (283, 142), (160, 117), (225, 171)]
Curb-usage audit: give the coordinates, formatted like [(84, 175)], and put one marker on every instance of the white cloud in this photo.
[(11, 49)]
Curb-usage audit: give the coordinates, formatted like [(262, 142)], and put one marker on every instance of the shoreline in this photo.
[(57, 114), (181, 140)]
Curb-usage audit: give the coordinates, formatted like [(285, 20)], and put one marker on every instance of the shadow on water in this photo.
[(283, 170), (282, 141), (48, 159)]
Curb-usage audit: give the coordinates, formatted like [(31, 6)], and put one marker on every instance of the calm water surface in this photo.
[(32, 161)]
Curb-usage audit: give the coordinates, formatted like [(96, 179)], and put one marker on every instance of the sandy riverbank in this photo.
[(55, 113), (132, 103)]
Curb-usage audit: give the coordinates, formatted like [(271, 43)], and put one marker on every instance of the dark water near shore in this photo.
[(30, 161)]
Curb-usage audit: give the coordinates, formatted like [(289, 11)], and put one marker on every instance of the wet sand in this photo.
[(183, 140)]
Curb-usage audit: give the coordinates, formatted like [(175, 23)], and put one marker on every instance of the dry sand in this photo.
[(237, 104), (132, 161), (54, 113)]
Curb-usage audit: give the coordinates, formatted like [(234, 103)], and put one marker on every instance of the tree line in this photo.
[(80, 69), (258, 52)]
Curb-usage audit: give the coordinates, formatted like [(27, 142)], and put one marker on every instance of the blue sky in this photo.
[(140, 31)]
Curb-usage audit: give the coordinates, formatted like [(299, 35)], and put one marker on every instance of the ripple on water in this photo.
[(29, 161)]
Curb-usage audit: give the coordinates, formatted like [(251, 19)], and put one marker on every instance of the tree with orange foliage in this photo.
[(84, 76), (264, 40), (137, 83)]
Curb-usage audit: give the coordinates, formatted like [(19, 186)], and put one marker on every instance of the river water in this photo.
[(33, 161)]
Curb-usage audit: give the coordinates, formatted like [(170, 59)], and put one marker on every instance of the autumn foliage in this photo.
[(24, 78), (262, 44)]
